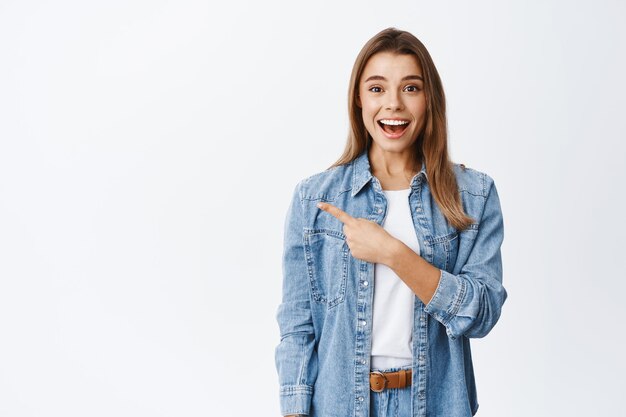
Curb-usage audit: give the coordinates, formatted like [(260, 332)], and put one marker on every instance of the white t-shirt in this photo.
[(392, 322)]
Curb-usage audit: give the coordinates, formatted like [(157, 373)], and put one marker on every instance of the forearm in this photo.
[(418, 274)]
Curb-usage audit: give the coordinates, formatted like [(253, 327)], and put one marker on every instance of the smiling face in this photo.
[(392, 100)]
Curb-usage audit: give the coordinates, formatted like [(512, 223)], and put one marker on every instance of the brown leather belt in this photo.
[(382, 380)]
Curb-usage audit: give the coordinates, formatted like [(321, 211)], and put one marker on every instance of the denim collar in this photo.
[(362, 173)]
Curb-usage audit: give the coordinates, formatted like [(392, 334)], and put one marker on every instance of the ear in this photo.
[(358, 100)]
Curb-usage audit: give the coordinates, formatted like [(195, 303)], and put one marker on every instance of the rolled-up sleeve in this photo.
[(469, 303), (295, 355)]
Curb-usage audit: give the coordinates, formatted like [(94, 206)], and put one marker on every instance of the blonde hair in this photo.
[(431, 146)]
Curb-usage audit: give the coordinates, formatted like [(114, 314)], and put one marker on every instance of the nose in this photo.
[(394, 102)]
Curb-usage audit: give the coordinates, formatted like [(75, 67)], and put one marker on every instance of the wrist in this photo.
[(393, 252)]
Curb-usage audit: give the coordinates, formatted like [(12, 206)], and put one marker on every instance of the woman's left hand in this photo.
[(366, 239)]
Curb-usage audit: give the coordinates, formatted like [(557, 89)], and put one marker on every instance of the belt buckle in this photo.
[(384, 381)]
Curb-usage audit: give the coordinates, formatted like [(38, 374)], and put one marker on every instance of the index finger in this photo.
[(341, 215)]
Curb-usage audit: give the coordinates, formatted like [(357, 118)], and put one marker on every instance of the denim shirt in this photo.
[(325, 317)]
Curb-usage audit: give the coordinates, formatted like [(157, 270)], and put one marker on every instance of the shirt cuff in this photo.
[(295, 399), (447, 299)]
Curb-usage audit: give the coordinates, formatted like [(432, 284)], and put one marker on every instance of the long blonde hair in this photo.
[(431, 146)]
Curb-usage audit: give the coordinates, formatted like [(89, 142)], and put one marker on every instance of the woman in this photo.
[(391, 257)]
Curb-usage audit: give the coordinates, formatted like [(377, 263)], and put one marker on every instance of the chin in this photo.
[(393, 146)]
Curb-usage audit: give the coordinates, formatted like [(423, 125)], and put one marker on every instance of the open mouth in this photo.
[(393, 127)]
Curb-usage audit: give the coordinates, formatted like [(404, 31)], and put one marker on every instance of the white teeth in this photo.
[(394, 122)]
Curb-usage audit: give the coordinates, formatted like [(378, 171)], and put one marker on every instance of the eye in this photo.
[(412, 88), (375, 89)]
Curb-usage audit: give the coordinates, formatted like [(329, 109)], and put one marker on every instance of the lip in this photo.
[(393, 118), (393, 135)]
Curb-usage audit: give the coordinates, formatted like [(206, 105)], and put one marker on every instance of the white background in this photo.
[(148, 151)]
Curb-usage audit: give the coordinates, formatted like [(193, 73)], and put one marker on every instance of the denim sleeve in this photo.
[(295, 355), (469, 303)]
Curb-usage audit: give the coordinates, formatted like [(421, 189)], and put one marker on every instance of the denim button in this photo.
[(360, 398), (363, 361), (363, 322), (365, 283), (380, 210)]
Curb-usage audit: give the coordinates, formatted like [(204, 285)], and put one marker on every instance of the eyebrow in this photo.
[(408, 77)]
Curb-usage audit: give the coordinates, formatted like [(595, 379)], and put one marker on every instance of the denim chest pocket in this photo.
[(327, 260), (452, 247), (445, 250)]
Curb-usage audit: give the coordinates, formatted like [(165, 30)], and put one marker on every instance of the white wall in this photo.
[(148, 150)]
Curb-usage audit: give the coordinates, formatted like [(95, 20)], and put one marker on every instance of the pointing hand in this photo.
[(366, 239)]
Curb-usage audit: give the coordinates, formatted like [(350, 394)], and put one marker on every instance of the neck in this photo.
[(393, 164)]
